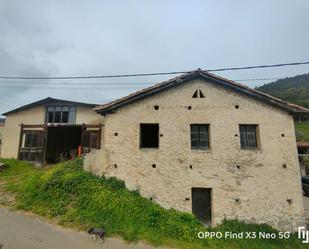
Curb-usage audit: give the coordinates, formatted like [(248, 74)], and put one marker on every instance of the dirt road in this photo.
[(18, 231)]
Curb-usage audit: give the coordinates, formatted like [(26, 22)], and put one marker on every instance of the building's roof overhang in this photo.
[(212, 78), (49, 101)]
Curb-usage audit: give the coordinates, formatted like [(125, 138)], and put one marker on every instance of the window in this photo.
[(198, 94), (31, 147), (248, 136), (149, 135), (60, 114), (199, 136)]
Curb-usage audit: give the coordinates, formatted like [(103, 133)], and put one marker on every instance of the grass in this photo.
[(302, 130), (78, 199)]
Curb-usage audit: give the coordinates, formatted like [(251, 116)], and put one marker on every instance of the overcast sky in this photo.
[(71, 38)]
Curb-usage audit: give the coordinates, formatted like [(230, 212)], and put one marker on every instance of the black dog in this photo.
[(96, 231)]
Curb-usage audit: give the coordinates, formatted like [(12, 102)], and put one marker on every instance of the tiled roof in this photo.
[(113, 105)]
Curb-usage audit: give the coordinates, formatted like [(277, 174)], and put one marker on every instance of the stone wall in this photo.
[(260, 185)]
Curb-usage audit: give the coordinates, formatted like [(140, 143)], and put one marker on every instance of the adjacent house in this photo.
[(50, 130), (2, 121), (198, 143)]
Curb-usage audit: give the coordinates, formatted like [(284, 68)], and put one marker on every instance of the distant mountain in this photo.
[(294, 89)]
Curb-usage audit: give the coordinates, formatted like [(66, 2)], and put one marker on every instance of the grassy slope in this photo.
[(78, 199)]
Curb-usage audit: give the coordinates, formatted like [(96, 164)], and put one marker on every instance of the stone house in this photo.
[(198, 143)]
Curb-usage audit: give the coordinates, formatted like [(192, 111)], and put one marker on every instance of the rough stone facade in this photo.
[(264, 188)]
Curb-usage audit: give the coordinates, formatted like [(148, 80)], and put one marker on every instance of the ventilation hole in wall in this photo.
[(237, 200), (290, 201), (238, 166), (195, 94), (236, 106), (189, 107), (115, 166), (282, 135), (236, 135), (156, 107), (161, 135), (202, 94), (187, 199), (154, 165), (116, 133), (191, 167), (284, 165)]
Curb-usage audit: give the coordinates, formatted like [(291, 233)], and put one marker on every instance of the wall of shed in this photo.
[(87, 115), (35, 115), (261, 184), (1, 136)]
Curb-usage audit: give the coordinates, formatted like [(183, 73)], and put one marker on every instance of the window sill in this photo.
[(201, 150), (251, 149), (155, 148)]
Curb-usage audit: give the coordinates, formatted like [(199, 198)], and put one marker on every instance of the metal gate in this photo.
[(201, 204)]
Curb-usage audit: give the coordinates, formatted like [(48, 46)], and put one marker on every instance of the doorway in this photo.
[(42, 144), (201, 204), (62, 143)]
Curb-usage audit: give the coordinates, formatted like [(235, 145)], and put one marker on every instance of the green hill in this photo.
[(293, 89)]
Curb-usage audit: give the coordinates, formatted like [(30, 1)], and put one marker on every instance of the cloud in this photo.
[(63, 37)]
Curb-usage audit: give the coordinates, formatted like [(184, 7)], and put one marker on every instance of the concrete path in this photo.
[(19, 231)]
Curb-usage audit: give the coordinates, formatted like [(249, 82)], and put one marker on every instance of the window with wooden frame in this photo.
[(248, 136), (199, 136), (60, 114)]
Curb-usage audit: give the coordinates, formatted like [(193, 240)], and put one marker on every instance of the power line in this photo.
[(154, 74), (259, 79), (76, 83), (10, 83), (260, 66)]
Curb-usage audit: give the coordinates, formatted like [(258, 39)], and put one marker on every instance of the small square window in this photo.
[(199, 136), (248, 138), (149, 135)]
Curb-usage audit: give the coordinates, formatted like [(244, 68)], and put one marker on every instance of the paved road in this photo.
[(19, 231)]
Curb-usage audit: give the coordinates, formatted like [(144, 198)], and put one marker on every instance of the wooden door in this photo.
[(32, 145), (201, 204)]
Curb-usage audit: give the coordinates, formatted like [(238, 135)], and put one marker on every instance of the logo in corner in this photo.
[(303, 234)]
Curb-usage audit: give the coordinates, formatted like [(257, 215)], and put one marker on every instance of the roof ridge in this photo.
[(107, 107), (45, 101)]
